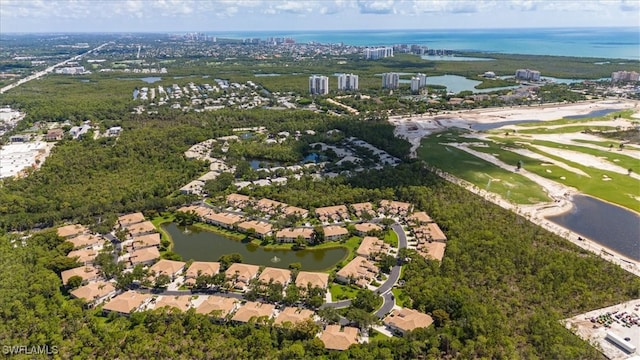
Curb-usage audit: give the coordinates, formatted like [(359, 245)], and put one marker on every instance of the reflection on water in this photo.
[(201, 245), (609, 225)]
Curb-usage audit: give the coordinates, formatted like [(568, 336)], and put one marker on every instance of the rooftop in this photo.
[(129, 219), (71, 230), (85, 272), (281, 276), (316, 279), (168, 267), (93, 291), (127, 302), (335, 338), (203, 268), (223, 305), (293, 315), (253, 310), (407, 319)]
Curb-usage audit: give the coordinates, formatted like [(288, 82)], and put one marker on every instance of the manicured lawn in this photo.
[(509, 185), (377, 336), (621, 189), (158, 221), (342, 292), (391, 238), (401, 297)]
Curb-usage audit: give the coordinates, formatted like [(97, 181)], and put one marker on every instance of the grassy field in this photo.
[(342, 292), (391, 238), (509, 185), (401, 297), (158, 221)]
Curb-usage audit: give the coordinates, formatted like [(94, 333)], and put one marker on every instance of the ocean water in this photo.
[(612, 43)]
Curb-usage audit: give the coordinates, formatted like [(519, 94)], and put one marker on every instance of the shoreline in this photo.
[(534, 215)]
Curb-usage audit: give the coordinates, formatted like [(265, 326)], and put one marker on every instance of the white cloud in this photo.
[(377, 6)]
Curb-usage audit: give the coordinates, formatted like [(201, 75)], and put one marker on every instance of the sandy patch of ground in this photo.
[(586, 160), (569, 139), (415, 127), (594, 333)]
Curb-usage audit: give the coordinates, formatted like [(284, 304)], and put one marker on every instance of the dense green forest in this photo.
[(499, 293)]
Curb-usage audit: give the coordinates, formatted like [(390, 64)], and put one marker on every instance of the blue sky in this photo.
[(285, 15)]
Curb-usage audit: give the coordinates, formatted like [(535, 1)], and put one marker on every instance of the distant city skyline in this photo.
[(300, 15)]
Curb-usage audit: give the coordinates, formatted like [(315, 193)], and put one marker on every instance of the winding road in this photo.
[(385, 289)]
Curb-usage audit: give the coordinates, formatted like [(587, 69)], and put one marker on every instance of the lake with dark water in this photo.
[(594, 113), (609, 225), (202, 245)]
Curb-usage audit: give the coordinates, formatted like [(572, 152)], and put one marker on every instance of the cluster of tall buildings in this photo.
[(319, 85), (625, 76), (390, 80), (526, 74), (418, 82), (378, 53)]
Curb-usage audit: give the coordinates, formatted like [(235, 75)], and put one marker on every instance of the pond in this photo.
[(594, 113), (148, 80), (202, 245), (609, 225), (456, 84)]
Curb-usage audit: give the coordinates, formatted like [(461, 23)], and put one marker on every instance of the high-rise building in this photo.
[(415, 84), (390, 80), (625, 76), (422, 79), (378, 53), (318, 85), (526, 74), (347, 82)]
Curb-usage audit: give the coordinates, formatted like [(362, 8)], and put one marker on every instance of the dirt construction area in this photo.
[(622, 320)]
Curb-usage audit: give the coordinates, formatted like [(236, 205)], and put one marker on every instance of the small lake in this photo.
[(148, 80), (456, 84), (609, 225), (453, 58), (595, 113), (202, 245)]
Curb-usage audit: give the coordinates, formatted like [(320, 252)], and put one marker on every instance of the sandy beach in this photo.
[(414, 128)]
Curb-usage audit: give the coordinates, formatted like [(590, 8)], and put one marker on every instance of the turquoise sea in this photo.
[(612, 43)]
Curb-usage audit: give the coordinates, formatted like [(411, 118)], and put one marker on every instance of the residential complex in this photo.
[(418, 82), (378, 53), (390, 80), (526, 74), (347, 82), (318, 85), (625, 76)]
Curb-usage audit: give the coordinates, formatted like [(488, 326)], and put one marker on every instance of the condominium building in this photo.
[(415, 84), (526, 74), (378, 53), (625, 76), (347, 82), (318, 85), (390, 80)]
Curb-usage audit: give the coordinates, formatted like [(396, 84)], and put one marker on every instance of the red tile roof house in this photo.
[(269, 206), (395, 207), (220, 306), (126, 303), (86, 241), (224, 220), (83, 256), (402, 321), (167, 267), (335, 338), (141, 228), (336, 213), (371, 247), (198, 268), (293, 315), (143, 241), (361, 208), (144, 256), (281, 276), (363, 229), (333, 233), (313, 279), (291, 234), (71, 231), (253, 311), (262, 229), (95, 293), (359, 271), (180, 302), (87, 273), (241, 274), (238, 201), (130, 219)]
